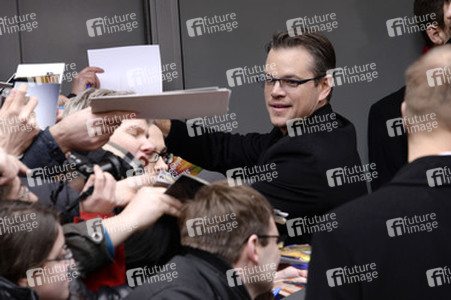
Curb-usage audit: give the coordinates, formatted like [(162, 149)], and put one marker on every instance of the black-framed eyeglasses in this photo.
[(280, 239), (285, 83), (167, 157), (68, 255)]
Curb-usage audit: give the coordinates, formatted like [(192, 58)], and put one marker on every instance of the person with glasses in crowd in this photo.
[(308, 138), (238, 262), (40, 259)]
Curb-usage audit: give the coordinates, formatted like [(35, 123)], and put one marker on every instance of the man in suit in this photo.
[(290, 165), (387, 142), (394, 243)]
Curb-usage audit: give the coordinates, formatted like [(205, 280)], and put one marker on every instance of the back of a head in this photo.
[(428, 87), (219, 205), (83, 100), (29, 231)]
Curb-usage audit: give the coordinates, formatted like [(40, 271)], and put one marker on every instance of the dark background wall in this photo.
[(361, 38)]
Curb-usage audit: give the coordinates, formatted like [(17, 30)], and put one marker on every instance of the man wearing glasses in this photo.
[(297, 94)]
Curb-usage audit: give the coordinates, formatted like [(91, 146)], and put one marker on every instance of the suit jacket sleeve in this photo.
[(219, 151)]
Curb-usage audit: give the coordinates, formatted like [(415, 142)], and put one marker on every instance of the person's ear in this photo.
[(23, 282), (436, 35), (403, 109), (326, 84), (251, 249)]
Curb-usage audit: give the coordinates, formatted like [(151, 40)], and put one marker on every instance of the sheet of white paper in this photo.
[(30, 70), (131, 68)]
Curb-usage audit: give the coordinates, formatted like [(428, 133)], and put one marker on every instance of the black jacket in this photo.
[(388, 152), (301, 187), (200, 275), (11, 291), (368, 234)]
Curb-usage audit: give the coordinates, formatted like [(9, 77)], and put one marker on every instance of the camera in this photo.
[(110, 163)]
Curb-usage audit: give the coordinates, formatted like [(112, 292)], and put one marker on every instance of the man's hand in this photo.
[(292, 274), (85, 77), (86, 131), (18, 121), (144, 210), (102, 199), (10, 167)]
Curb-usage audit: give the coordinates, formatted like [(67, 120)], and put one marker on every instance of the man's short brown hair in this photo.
[(423, 8), (252, 213)]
